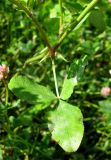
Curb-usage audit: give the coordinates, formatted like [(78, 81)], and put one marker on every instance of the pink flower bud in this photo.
[(4, 70), (105, 91)]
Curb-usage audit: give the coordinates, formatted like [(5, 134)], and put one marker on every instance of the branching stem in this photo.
[(35, 21), (75, 23)]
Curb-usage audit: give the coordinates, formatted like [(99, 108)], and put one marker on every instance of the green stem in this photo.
[(75, 23), (55, 78), (6, 104), (61, 17), (6, 92), (35, 21)]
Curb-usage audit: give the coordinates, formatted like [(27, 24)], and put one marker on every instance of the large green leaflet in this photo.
[(67, 126), (75, 73), (28, 90)]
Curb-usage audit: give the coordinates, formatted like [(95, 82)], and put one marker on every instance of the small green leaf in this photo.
[(25, 48), (61, 57), (68, 87), (77, 67), (73, 7), (75, 73), (97, 20), (30, 91), (84, 1), (67, 126)]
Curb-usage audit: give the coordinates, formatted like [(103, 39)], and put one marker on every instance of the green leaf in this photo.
[(55, 12), (75, 73), (61, 57), (26, 48), (68, 87), (84, 1), (105, 108), (26, 117), (73, 7), (97, 20), (77, 67), (67, 126), (30, 91)]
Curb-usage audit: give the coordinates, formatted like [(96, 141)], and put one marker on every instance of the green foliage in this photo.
[(74, 75), (29, 91), (105, 106), (67, 88), (77, 68), (97, 19), (73, 7), (1, 157), (81, 46), (67, 126)]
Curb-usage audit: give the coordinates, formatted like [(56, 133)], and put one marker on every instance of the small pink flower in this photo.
[(109, 1), (105, 91), (4, 70)]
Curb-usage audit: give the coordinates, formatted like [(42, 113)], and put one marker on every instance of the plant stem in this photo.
[(38, 57), (35, 21), (75, 23), (61, 17), (6, 92), (55, 78)]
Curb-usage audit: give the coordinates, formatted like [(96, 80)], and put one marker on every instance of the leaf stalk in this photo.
[(55, 78)]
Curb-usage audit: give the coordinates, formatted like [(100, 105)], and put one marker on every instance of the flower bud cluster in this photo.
[(105, 91), (4, 70)]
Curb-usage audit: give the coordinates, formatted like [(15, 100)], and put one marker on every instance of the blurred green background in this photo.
[(29, 138)]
